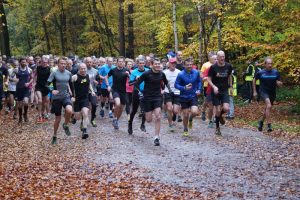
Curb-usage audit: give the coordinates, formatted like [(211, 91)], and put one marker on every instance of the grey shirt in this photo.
[(61, 81), (92, 75)]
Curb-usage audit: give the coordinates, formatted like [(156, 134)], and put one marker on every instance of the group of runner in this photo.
[(148, 83)]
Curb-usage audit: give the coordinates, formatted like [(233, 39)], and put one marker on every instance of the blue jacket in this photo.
[(103, 71), (183, 79)]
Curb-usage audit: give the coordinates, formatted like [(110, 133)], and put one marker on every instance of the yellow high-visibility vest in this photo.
[(234, 86), (250, 77), (257, 82)]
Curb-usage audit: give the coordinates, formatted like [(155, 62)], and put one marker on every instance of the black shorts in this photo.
[(188, 103), (150, 105), (104, 92), (98, 92), (175, 99), (265, 95), (1, 94), (44, 90), (22, 93), (120, 95), (57, 105), (81, 103), (12, 93), (219, 99)]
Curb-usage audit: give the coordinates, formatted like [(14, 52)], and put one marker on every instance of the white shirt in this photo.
[(171, 77)]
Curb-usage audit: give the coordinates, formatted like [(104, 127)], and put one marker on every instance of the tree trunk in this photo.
[(45, 30), (4, 35), (62, 31), (121, 29), (219, 34), (130, 49), (200, 35), (175, 26)]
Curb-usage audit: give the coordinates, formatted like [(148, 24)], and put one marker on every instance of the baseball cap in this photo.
[(172, 60)]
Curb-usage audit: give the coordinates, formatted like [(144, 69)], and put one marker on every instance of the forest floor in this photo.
[(241, 164)]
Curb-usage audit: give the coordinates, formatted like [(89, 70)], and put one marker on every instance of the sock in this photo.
[(143, 119), (217, 122), (190, 118)]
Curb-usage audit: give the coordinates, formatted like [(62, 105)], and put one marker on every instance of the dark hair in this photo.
[(21, 59), (61, 58), (120, 57), (155, 59), (187, 60)]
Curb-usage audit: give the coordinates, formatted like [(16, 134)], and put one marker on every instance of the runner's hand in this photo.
[(255, 94), (216, 90), (26, 84), (198, 93), (93, 94), (108, 88), (55, 92), (73, 99), (188, 86)]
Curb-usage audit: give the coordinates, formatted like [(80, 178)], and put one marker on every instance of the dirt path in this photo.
[(240, 164)]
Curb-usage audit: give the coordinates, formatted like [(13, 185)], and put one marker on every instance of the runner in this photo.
[(189, 83), (207, 100), (81, 90), (129, 90), (61, 79), (12, 83), (3, 81), (137, 97), (153, 80), (93, 77), (220, 79), (42, 91), (171, 98), (118, 89), (105, 94), (269, 79), (24, 79)]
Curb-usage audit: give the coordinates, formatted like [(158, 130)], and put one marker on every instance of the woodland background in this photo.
[(246, 30)]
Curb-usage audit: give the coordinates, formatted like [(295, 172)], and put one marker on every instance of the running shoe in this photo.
[(66, 129), (54, 139), (260, 125), (85, 136), (218, 131), (185, 133), (130, 131), (39, 120), (222, 120), (171, 128), (46, 116), (143, 128), (93, 123), (210, 124), (156, 142), (270, 128), (179, 119), (101, 113), (203, 116), (111, 115), (190, 124), (115, 124)]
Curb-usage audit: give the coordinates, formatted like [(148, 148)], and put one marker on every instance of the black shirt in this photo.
[(119, 79), (43, 74), (3, 72), (219, 76), (180, 66), (81, 87), (153, 84)]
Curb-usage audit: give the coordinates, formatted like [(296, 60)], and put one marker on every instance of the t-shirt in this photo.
[(171, 77), (11, 84), (180, 66), (219, 76), (268, 79), (93, 75), (153, 84), (203, 68), (3, 72), (137, 73), (208, 87), (61, 82), (81, 87), (119, 79), (103, 71), (43, 74)]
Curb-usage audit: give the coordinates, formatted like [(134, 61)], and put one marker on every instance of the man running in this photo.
[(220, 79), (118, 90), (137, 96), (3, 80), (153, 80), (61, 79), (93, 77), (189, 83), (105, 94), (81, 91), (171, 98), (269, 79), (42, 91), (23, 78)]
